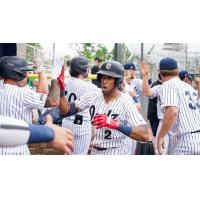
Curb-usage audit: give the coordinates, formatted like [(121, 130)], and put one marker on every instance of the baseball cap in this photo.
[(129, 66), (98, 59), (168, 64), (182, 74)]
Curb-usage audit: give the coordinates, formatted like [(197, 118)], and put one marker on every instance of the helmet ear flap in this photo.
[(99, 78), (118, 81)]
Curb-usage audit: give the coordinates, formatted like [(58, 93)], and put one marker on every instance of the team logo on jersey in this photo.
[(108, 66)]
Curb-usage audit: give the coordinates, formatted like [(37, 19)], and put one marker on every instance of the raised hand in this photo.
[(61, 79), (144, 68)]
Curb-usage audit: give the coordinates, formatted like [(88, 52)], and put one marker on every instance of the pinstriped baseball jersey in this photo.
[(170, 138), (181, 95), (122, 109), (76, 88), (18, 102), (156, 93), (80, 124), (136, 85)]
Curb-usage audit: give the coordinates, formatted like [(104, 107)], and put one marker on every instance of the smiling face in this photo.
[(107, 84)]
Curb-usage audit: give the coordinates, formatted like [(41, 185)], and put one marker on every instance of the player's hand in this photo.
[(144, 68), (61, 79), (63, 140), (132, 93), (101, 121), (160, 145)]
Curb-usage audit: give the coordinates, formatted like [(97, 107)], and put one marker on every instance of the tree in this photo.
[(36, 45), (92, 50), (124, 55)]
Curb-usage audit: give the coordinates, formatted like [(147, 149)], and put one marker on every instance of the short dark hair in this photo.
[(98, 59), (172, 72)]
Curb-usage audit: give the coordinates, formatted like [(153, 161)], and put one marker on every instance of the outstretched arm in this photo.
[(136, 133), (66, 109), (15, 132), (146, 90), (42, 86)]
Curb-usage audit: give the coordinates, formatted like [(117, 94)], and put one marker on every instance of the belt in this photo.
[(195, 131), (102, 149)]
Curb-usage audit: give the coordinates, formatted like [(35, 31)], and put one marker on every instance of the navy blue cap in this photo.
[(128, 66), (168, 64), (182, 74)]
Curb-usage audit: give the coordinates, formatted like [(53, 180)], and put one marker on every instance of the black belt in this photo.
[(102, 149), (195, 131)]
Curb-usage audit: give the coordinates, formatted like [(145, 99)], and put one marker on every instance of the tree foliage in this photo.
[(92, 50)]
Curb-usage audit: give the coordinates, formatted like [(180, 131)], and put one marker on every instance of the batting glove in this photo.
[(61, 79), (101, 121)]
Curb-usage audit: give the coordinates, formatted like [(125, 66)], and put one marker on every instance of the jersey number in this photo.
[(107, 135), (193, 103), (72, 95)]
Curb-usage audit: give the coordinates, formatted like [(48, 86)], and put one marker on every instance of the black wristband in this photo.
[(62, 93)]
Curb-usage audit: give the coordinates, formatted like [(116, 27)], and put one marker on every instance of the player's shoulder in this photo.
[(126, 98), (156, 87), (175, 81)]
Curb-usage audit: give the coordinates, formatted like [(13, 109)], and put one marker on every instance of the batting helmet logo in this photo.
[(108, 66)]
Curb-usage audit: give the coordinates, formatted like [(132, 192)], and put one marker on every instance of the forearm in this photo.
[(169, 120), (42, 86), (139, 133), (20, 134), (145, 87), (136, 133), (64, 105)]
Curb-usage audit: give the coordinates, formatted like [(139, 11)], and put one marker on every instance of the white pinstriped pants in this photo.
[(187, 144), (82, 135)]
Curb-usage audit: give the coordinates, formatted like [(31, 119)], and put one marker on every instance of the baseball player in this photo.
[(179, 102), (135, 84), (114, 118), (154, 92), (76, 87), (14, 132), (16, 99)]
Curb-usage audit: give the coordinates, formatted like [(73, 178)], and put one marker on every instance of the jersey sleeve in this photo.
[(169, 95), (133, 117), (85, 101), (155, 90), (34, 100), (13, 132)]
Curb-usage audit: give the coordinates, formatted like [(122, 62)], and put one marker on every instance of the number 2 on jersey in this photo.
[(107, 135)]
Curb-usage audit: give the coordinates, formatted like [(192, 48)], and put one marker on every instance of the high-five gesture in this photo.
[(61, 79), (144, 69)]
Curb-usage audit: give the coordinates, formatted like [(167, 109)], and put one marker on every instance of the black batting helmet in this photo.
[(78, 65), (113, 69), (12, 67)]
